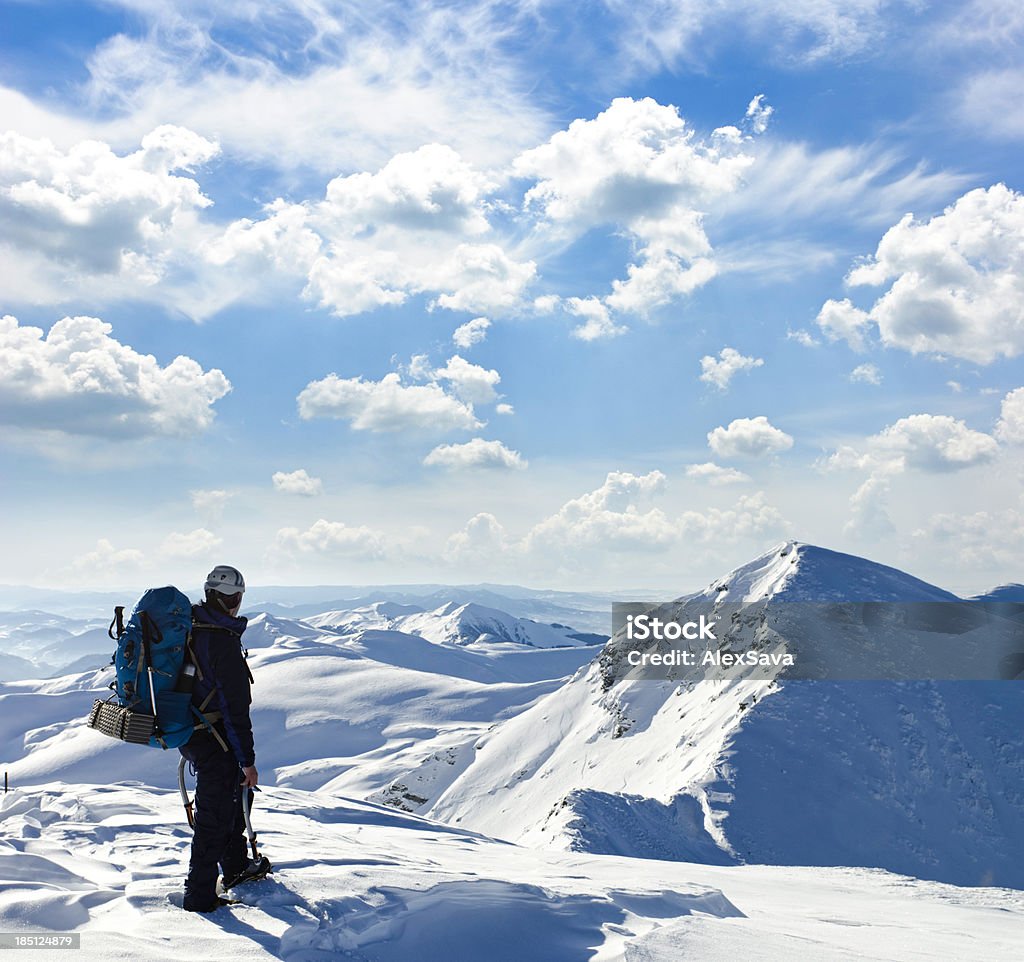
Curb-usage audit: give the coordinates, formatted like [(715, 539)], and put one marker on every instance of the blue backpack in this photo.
[(155, 674)]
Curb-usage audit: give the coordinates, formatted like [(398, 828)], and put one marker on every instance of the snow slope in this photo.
[(377, 714), (369, 884), (925, 778)]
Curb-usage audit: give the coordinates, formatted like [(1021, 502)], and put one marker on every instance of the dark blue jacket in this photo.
[(217, 644)]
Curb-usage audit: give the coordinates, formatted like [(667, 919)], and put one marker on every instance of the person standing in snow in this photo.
[(222, 755)]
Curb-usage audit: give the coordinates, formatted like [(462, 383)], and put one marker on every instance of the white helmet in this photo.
[(226, 580)]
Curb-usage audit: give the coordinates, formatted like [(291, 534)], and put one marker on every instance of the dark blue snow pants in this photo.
[(219, 837)]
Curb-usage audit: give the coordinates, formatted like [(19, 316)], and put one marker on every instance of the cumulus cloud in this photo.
[(77, 379), (476, 453), (482, 539), (419, 225), (89, 209), (803, 338), (597, 320), (715, 474), (866, 374), (637, 166), (841, 321), (482, 277), (955, 282), (107, 558), (1010, 427), (504, 409), (750, 517), (470, 382), (471, 333), (333, 538), (609, 517), (193, 544), (749, 437), (869, 510), (298, 482), (209, 504), (982, 539), (721, 370), (386, 405), (616, 515), (932, 442)]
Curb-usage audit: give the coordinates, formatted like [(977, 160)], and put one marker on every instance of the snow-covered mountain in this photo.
[(455, 624), (924, 778)]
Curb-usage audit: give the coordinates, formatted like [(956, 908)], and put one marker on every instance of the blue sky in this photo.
[(612, 297)]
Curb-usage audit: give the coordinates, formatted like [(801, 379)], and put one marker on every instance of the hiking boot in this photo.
[(255, 870), (211, 907)]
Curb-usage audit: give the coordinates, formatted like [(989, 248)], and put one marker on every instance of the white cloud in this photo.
[(209, 504), (840, 320), (598, 323), (803, 338), (612, 518), (333, 538), (78, 380), (750, 517), (476, 453), (983, 539), (482, 277), (636, 165), (88, 209), (298, 482), (721, 370), (419, 225), (665, 33), (106, 558), (1010, 427), (194, 544), (869, 510), (471, 333), (660, 279), (932, 442), (758, 114), (482, 539), (866, 374), (504, 409), (386, 405), (470, 382), (317, 85), (715, 474), (990, 103), (608, 517), (956, 282), (748, 437)]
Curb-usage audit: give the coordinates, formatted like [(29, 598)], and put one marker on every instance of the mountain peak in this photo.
[(799, 571)]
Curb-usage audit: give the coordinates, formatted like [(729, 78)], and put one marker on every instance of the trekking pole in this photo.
[(185, 800), (246, 806)]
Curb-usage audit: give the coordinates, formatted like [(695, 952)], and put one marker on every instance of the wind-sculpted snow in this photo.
[(369, 884)]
